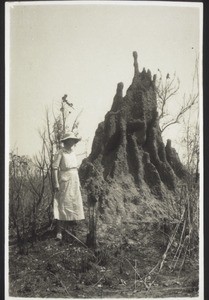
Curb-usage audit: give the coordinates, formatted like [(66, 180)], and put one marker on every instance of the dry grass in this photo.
[(68, 269)]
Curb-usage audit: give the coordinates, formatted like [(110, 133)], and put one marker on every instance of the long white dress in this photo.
[(68, 205)]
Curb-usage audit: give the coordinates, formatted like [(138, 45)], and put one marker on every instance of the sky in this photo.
[(83, 50)]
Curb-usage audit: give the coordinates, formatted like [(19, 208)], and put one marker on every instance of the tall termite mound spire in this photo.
[(129, 161), (136, 67)]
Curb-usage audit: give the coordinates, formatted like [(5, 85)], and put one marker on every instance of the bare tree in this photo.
[(191, 144), (167, 89)]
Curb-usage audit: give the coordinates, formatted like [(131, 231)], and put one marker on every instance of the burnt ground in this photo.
[(130, 269)]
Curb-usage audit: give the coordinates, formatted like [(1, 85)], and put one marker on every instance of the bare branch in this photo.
[(165, 91), (75, 124)]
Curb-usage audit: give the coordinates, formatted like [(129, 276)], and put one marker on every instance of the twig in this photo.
[(180, 246), (56, 254), (76, 120), (166, 251), (132, 267), (183, 261), (136, 273), (154, 268), (98, 281), (68, 232), (63, 285)]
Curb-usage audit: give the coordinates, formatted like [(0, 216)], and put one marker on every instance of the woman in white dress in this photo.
[(68, 205)]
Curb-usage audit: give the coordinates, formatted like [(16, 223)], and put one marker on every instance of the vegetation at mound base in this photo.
[(137, 267)]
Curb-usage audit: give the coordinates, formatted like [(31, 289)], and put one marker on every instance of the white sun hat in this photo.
[(70, 136)]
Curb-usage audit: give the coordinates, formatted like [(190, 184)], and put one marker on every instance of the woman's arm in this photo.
[(55, 166), (56, 181)]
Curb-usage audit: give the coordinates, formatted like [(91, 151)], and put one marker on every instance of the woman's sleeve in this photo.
[(57, 159)]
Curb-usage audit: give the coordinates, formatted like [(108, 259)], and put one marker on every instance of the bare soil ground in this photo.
[(68, 269)]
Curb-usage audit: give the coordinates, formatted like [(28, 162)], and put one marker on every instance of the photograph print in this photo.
[(104, 158)]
